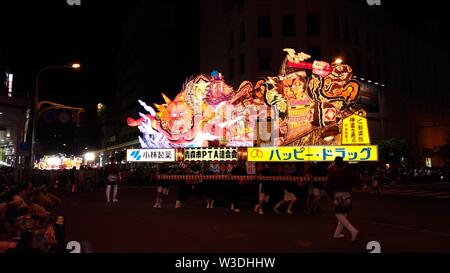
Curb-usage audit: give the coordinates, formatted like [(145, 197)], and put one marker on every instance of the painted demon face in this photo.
[(180, 118), (294, 88)]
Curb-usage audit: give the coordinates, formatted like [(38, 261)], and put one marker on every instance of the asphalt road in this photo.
[(402, 219)]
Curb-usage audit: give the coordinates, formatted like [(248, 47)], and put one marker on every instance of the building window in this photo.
[(242, 63), (231, 38), (315, 52), (264, 26), (313, 24), (337, 28), (265, 59), (231, 67), (288, 26), (242, 33)]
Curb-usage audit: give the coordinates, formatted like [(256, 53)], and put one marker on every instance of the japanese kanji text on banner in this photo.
[(211, 154), (151, 155), (313, 153), (355, 130)]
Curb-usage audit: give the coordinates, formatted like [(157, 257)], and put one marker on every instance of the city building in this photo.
[(158, 52), (401, 69), (14, 122), (14, 115)]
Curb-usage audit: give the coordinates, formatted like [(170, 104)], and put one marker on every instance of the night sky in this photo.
[(41, 33), (35, 34)]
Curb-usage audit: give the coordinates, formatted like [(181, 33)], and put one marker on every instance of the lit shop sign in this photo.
[(355, 130), (211, 154), (151, 155), (313, 153), (10, 83)]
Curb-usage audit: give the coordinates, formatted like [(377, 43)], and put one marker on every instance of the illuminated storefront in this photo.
[(58, 162), (14, 116)]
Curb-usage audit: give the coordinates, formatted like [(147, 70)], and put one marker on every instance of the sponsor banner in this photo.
[(313, 153), (151, 155), (355, 130), (211, 154)]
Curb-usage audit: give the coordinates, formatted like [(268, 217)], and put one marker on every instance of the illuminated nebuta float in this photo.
[(306, 104)]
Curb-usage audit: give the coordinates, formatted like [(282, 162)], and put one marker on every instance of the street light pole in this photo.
[(36, 106)]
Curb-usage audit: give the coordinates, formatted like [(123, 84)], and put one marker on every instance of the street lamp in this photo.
[(36, 103), (89, 156)]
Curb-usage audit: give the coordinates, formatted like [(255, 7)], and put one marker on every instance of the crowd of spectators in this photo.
[(29, 216), (30, 212), (385, 174)]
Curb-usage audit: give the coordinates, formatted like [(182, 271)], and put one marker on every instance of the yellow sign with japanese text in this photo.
[(313, 153), (355, 130)]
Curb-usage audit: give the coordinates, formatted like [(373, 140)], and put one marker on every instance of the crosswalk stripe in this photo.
[(432, 194), (414, 193)]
